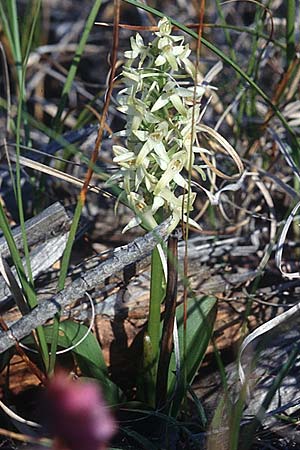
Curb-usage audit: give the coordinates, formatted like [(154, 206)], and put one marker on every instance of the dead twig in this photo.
[(121, 257)]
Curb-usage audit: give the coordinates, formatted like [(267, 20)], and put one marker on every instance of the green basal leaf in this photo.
[(200, 320), (88, 355)]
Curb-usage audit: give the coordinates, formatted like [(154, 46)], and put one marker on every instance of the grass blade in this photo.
[(74, 66), (290, 30), (250, 429)]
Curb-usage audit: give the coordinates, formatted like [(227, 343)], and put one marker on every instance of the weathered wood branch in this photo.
[(121, 257), (52, 221), (48, 232), (42, 258)]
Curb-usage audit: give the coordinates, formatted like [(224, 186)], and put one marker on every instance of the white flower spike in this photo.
[(160, 135)]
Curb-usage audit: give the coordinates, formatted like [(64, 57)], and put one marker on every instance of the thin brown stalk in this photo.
[(152, 28), (94, 157), (280, 88), (186, 227)]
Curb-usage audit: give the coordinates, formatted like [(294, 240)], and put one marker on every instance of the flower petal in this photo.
[(162, 101), (178, 105), (141, 135), (174, 167), (160, 60), (134, 222)]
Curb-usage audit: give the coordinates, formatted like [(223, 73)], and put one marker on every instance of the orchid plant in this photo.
[(162, 102)]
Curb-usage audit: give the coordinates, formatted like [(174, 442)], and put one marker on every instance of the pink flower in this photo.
[(77, 415)]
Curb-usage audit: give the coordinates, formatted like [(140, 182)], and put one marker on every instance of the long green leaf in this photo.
[(201, 317), (21, 71)]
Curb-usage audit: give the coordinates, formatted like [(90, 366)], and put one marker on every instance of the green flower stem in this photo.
[(157, 293)]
